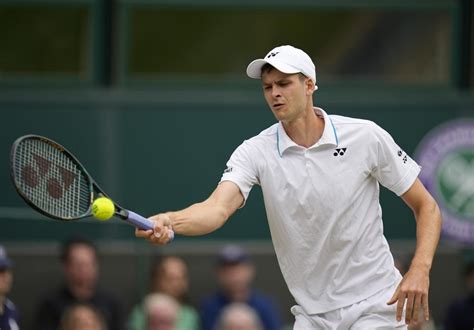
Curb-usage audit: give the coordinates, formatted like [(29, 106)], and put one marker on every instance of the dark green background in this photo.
[(151, 95), (162, 149)]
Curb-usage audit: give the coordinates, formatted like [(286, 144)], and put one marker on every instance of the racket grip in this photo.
[(139, 221), (143, 223)]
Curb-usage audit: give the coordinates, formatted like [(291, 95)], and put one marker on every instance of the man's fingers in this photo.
[(161, 235), (400, 304), (409, 307), (170, 234), (394, 297), (426, 307), (158, 229), (162, 232), (416, 307), (143, 233)]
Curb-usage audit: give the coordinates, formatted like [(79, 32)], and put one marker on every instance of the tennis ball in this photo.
[(103, 208)]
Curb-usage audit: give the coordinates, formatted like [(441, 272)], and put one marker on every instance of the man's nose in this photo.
[(276, 91)]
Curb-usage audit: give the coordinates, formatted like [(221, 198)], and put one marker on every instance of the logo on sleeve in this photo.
[(228, 169), (400, 154)]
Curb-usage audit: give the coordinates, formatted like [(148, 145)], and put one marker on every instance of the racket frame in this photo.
[(94, 189)]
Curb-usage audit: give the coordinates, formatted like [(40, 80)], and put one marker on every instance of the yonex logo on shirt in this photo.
[(405, 159), (340, 152)]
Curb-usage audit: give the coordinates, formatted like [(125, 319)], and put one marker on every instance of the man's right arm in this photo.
[(197, 219)]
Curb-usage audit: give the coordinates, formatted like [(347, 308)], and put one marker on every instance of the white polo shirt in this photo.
[(322, 205)]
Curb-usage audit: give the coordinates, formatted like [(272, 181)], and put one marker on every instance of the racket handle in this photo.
[(139, 221), (142, 223)]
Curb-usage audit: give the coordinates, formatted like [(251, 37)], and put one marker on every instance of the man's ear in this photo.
[(310, 86)]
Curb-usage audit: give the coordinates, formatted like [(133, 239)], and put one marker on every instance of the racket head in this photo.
[(50, 179)]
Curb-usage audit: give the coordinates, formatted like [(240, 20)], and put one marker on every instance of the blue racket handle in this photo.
[(142, 223), (139, 221)]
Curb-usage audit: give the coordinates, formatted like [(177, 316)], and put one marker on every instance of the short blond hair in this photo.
[(241, 312)]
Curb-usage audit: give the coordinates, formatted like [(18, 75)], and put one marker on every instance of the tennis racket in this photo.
[(53, 182)]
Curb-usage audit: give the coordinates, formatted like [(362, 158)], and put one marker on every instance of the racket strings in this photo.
[(51, 180)]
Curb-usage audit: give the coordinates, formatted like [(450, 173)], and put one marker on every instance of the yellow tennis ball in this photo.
[(103, 208)]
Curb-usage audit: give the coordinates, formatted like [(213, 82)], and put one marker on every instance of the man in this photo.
[(320, 178), (238, 316), (235, 275), (81, 272), (169, 276), (161, 312), (82, 316), (8, 312)]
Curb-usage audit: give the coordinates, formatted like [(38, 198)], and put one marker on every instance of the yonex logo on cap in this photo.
[(290, 60)]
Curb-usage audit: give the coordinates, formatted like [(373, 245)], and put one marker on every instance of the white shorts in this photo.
[(371, 313)]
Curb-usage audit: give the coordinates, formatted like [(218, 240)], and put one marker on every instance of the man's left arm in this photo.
[(414, 288)]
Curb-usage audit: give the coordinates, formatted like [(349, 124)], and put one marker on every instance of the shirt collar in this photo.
[(329, 135)]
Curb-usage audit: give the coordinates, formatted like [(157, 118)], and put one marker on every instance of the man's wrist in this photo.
[(421, 265), (170, 218)]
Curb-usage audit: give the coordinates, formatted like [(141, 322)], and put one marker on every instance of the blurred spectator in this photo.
[(80, 267), (235, 275), (460, 313), (238, 316), (161, 312), (81, 317), (8, 312), (169, 275)]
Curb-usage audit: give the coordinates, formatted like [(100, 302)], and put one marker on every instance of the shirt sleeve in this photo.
[(241, 169), (393, 168)]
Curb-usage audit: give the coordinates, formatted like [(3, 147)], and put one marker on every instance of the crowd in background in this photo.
[(79, 303)]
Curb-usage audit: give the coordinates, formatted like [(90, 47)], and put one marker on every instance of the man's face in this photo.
[(6, 279), (81, 318), (173, 279), (81, 268), (239, 320), (163, 318), (287, 95), (236, 280)]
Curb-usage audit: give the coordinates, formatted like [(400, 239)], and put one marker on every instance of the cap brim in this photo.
[(254, 69)]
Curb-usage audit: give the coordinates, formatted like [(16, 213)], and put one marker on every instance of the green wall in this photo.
[(161, 149)]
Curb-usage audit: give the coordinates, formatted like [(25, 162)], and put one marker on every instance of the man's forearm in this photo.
[(428, 229), (198, 219)]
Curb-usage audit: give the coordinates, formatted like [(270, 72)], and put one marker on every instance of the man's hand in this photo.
[(162, 233), (414, 289)]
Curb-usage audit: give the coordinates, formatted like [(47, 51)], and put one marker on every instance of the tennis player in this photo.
[(320, 177)]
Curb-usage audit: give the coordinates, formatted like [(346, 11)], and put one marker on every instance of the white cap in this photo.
[(286, 59)]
